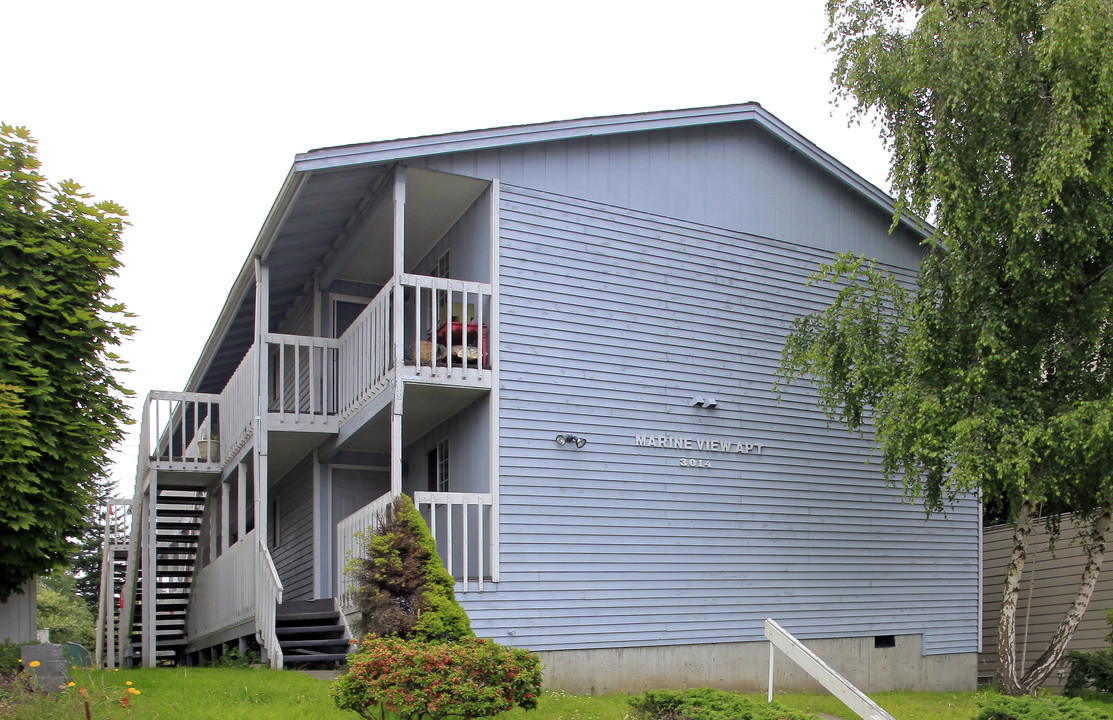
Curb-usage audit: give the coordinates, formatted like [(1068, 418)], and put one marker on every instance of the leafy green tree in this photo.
[(402, 589), (66, 613), (61, 405), (993, 376)]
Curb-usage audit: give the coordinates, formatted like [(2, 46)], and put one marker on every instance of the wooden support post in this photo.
[(150, 571), (241, 499), (225, 523), (214, 528), (398, 336), (492, 350)]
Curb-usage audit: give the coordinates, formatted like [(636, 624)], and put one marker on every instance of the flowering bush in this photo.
[(469, 678)]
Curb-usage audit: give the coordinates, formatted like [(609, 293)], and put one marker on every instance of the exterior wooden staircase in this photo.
[(310, 632), (177, 528)]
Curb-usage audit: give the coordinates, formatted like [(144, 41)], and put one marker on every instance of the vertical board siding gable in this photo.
[(734, 175)]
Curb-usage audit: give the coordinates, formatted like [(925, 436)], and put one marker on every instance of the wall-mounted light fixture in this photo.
[(705, 402), (565, 439)]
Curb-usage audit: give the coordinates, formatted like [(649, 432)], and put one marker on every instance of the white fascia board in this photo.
[(391, 150)]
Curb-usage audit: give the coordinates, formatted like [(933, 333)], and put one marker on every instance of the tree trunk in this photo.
[(1095, 552), (1008, 677)]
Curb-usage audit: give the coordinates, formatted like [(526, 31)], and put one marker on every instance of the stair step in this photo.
[(170, 525), (322, 657), (338, 643), (181, 511), (309, 630), (307, 617), (321, 605), (164, 487), (191, 539)]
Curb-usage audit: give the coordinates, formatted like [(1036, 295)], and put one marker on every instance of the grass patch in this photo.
[(188, 694), (246, 694)]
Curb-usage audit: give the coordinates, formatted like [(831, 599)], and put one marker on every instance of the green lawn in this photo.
[(223, 694)]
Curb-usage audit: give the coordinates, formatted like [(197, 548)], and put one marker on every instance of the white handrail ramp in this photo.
[(836, 684)]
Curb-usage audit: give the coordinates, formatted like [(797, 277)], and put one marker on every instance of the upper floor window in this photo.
[(345, 310), (438, 467)]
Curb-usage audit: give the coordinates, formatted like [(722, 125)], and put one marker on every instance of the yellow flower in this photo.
[(134, 691), (128, 682), (35, 663), (21, 660), (115, 669), (70, 684)]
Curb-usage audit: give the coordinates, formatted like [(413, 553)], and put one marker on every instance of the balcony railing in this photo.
[(222, 595), (461, 526), (312, 382), (366, 355), (445, 337), (180, 431), (301, 378), (237, 403), (446, 326), (350, 540)]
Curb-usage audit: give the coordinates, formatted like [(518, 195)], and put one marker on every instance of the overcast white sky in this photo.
[(189, 114)]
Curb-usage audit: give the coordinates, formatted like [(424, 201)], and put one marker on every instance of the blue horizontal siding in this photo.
[(611, 321)]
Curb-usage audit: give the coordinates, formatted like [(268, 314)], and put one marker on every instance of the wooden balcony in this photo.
[(425, 330), (180, 432)]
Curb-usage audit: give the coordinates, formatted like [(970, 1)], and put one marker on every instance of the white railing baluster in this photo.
[(479, 536), (464, 546)]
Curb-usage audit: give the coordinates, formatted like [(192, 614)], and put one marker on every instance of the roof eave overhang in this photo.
[(245, 280)]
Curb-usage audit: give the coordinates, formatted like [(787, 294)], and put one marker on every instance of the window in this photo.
[(438, 467), (440, 270), (440, 267), (275, 525), (345, 310)]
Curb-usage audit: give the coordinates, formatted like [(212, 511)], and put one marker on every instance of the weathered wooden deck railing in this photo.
[(446, 322), (461, 525), (220, 599), (237, 405), (268, 594), (366, 352), (349, 545), (180, 429), (302, 377)]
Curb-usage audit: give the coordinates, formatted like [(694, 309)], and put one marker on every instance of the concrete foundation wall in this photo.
[(745, 667)]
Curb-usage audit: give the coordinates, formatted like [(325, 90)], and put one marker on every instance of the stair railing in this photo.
[(268, 594)]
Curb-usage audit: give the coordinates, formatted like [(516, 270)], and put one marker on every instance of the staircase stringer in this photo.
[(127, 595)]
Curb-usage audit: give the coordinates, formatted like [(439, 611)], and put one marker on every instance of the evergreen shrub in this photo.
[(707, 704), (1092, 672), (415, 679), (402, 588), (1026, 707)]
